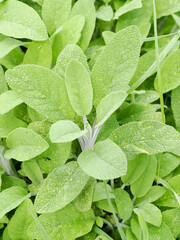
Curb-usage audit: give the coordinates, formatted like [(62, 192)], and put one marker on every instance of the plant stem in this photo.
[(158, 63), (114, 215), (159, 165), (101, 232)]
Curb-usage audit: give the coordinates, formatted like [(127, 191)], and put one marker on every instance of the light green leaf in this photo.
[(172, 219), (140, 17), (143, 226), (107, 35), (79, 88), (7, 45), (124, 203), (70, 52), (130, 235), (176, 19), (65, 131), (135, 168), (159, 233), (68, 181), (47, 94), (105, 13), (100, 193), (12, 59), (19, 223), (70, 34), (146, 137), (18, 20), (8, 123), (11, 198), (175, 103), (166, 7), (9, 100), (87, 9), (24, 144), (83, 202), (105, 161), (60, 221), (148, 97), (11, 181), (168, 163), (109, 104), (33, 172), (151, 213), (152, 195), (170, 73), (142, 185), (39, 53), (127, 7), (121, 55), (55, 13), (3, 85)]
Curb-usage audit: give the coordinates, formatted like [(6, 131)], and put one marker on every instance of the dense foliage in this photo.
[(89, 119)]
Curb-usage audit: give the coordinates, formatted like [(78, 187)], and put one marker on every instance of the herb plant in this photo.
[(89, 119)]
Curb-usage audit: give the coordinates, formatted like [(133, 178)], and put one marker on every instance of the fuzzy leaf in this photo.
[(175, 103), (19, 223), (70, 34), (9, 123), (121, 55), (60, 221), (3, 85), (106, 161), (65, 131), (166, 7), (87, 9), (9, 100), (105, 13), (109, 104), (170, 73), (11, 198), (33, 172), (79, 88), (47, 94), (68, 181), (18, 20), (24, 144), (146, 137), (55, 13)]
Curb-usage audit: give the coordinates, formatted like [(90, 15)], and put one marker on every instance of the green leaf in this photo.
[(130, 235), (70, 52), (107, 35), (176, 19), (12, 59), (19, 223), (39, 53), (9, 123), (108, 105), (148, 97), (172, 219), (18, 20), (168, 163), (142, 185), (100, 193), (79, 88), (152, 195), (151, 213), (7, 45), (105, 13), (143, 226), (68, 181), (11, 181), (60, 221), (70, 34), (121, 55), (83, 202), (65, 131), (159, 233), (127, 7), (135, 169), (175, 101), (24, 144), (33, 172), (124, 203), (105, 161), (3, 85), (11, 198), (55, 13), (146, 137), (140, 17), (9, 100), (87, 9), (166, 7), (170, 73), (47, 94)]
